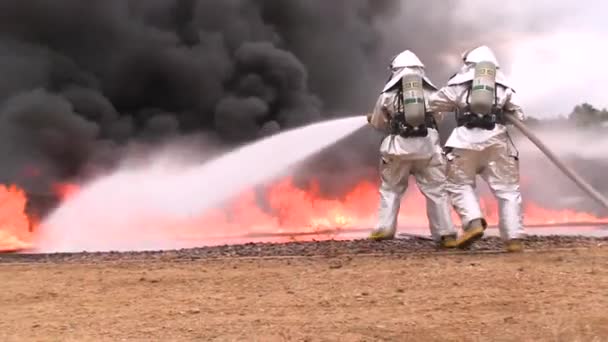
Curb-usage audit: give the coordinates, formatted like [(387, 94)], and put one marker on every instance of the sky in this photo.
[(554, 52)]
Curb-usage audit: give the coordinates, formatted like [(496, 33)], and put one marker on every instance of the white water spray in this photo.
[(130, 209)]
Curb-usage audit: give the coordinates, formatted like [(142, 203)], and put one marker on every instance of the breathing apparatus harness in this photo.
[(471, 119), (398, 123), (482, 110)]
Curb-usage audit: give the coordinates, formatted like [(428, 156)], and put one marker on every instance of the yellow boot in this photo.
[(382, 234), (473, 233), (448, 241), (514, 246)]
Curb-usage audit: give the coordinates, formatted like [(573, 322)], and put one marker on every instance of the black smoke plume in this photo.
[(80, 81)]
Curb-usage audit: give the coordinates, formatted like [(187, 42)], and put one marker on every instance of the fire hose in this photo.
[(586, 187)]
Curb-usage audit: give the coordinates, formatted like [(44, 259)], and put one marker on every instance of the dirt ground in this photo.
[(540, 295)]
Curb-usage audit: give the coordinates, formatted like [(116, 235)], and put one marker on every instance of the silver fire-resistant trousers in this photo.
[(499, 167), (430, 176)]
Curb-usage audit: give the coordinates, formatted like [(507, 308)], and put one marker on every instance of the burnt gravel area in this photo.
[(306, 249)]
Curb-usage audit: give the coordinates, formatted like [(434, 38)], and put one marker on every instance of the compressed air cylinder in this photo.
[(413, 99), (483, 88)]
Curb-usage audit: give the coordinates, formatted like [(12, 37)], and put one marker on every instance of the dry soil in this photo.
[(338, 291)]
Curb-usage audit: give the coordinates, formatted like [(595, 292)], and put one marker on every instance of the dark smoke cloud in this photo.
[(40, 131), (81, 80)]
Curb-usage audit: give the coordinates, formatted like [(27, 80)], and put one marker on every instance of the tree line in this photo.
[(583, 115)]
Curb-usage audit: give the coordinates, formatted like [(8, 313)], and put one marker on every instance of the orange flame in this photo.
[(299, 208), (288, 210), (65, 190), (295, 211), (14, 224)]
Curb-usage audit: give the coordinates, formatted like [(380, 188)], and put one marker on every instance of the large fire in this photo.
[(285, 209), (15, 228)]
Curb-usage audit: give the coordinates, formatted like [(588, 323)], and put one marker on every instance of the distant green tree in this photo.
[(586, 115)]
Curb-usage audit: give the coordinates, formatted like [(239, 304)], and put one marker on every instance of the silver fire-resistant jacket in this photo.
[(489, 153), (402, 157), (454, 97), (414, 148)]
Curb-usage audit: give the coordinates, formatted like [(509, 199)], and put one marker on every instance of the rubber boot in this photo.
[(472, 233), (514, 246), (448, 241), (381, 234)]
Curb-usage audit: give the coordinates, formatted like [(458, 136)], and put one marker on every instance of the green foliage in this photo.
[(585, 115)]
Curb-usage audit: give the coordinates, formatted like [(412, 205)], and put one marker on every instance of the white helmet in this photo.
[(480, 54), (470, 58), (405, 63), (406, 59)]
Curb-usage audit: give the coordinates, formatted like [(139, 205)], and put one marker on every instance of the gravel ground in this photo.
[(315, 248)]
